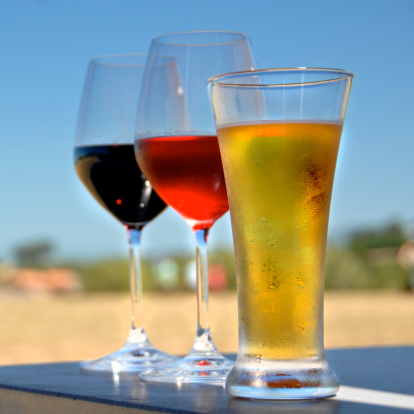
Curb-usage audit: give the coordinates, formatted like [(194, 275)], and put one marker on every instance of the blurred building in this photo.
[(405, 258), (42, 280)]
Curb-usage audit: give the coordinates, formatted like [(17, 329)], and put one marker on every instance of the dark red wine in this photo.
[(111, 174)]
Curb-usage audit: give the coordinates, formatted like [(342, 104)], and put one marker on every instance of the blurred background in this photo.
[(63, 258)]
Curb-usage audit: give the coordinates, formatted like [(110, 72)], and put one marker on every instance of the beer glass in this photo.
[(279, 132)]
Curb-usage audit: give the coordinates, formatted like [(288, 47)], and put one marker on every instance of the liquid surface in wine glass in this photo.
[(112, 175), (187, 173)]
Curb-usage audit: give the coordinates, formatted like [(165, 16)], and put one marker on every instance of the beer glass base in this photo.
[(282, 380)]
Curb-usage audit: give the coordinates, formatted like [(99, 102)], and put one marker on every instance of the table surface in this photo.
[(373, 380)]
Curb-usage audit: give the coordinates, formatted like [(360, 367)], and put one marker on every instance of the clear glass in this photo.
[(279, 133), (106, 165), (176, 147)]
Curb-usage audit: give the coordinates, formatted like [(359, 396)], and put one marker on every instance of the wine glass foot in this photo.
[(212, 369), (130, 358)]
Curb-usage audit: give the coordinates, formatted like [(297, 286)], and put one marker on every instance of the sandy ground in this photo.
[(48, 328)]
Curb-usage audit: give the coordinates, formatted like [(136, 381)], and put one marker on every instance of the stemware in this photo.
[(106, 165), (176, 147)]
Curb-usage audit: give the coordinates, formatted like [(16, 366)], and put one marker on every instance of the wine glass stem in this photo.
[(137, 333), (201, 237)]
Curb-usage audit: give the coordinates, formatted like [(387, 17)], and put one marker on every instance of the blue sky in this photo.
[(45, 49)]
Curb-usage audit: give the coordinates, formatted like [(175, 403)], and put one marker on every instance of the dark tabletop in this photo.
[(373, 380)]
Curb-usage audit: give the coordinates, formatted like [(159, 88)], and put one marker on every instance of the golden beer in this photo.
[(279, 178)]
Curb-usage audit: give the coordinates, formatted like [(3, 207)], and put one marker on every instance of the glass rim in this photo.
[(119, 59), (220, 79), (157, 39)]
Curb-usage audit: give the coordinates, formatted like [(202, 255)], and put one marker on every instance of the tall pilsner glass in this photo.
[(279, 132), (177, 149), (106, 165)]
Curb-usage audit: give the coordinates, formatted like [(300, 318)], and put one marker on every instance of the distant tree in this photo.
[(109, 275), (36, 254), (389, 236)]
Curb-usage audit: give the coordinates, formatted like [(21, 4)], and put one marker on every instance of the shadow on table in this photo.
[(388, 369), (375, 380)]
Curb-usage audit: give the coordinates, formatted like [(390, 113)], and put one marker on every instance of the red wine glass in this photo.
[(106, 165), (177, 149)]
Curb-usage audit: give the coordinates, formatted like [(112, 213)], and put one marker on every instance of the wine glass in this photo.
[(177, 149), (106, 165)]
